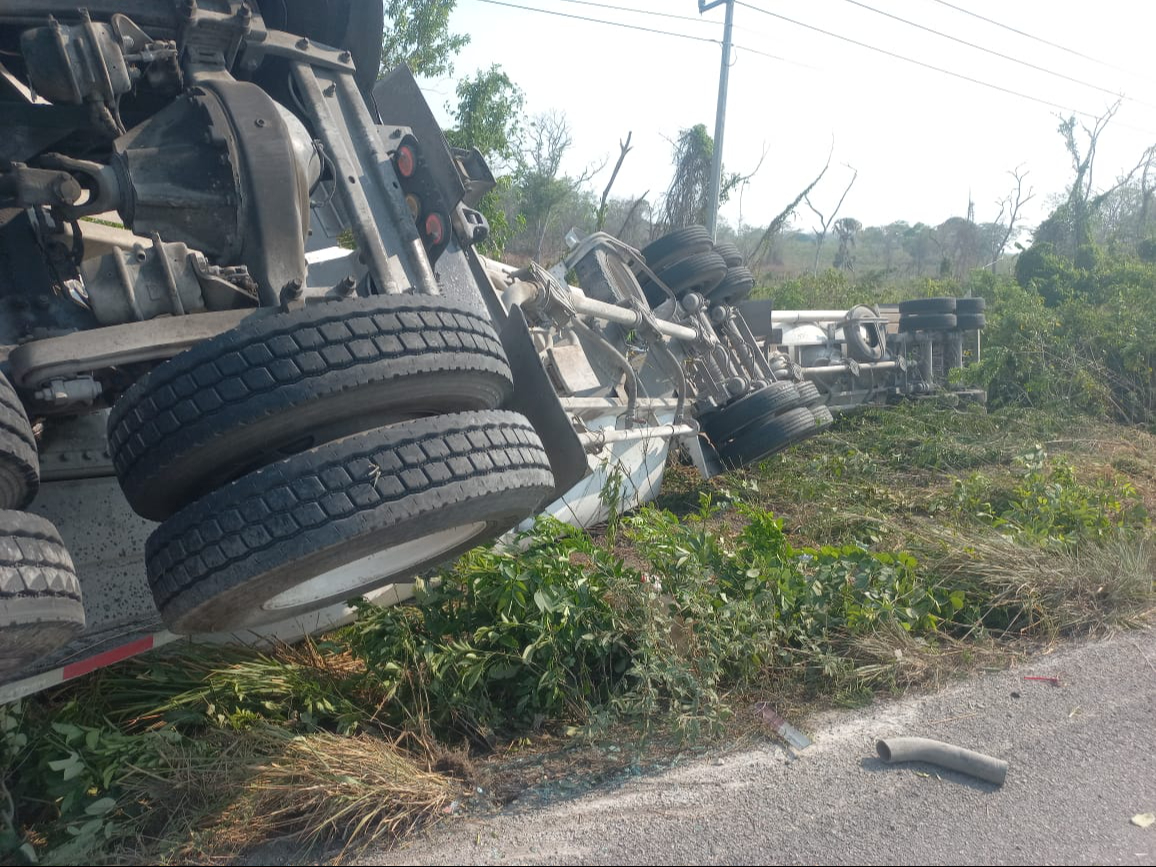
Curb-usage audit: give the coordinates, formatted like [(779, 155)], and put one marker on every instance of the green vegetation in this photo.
[(908, 545), (1080, 336), (417, 33), (905, 547)]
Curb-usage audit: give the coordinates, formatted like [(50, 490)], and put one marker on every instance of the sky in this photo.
[(923, 142)]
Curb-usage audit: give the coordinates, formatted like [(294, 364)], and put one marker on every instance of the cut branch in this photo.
[(763, 248)]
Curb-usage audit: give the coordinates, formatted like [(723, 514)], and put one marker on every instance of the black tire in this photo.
[(40, 606), (862, 341), (699, 273), (823, 418), (809, 393), (19, 462), (763, 439), (729, 421), (730, 253), (921, 306), (928, 322), (676, 246), (284, 383), (970, 321), (455, 481), (970, 305), (734, 287)]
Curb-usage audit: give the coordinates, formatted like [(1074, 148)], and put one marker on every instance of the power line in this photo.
[(625, 26), (695, 19), (1032, 36), (602, 21), (740, 48), (657, 31), (993, 52), (906, 59)]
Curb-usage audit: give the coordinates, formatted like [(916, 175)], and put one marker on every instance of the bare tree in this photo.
[(624, 149), (826, 222), (1069, 227), (1011, 205), (766, 243), (545, 141)]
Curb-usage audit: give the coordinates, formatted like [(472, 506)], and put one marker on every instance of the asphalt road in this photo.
[(1082, 762)]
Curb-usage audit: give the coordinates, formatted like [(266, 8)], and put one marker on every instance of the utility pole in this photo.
[(720, 114)]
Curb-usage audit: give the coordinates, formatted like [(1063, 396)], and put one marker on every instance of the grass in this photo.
[(206, 773), (1044, 593), (901, 550), (210, 798)]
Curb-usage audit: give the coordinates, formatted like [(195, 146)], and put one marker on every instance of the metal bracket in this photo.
[(75, 355), (276, 43), (368, 185)]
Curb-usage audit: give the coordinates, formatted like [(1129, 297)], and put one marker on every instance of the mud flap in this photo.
[(535, 398), (758, 316)]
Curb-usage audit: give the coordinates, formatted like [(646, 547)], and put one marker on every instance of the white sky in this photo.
[(921, 140)]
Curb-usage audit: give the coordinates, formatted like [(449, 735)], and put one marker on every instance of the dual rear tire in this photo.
[(757, 425), (40, 604), (306, 458), (686, 260)]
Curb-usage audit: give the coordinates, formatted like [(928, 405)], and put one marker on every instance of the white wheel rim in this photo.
[(374, 569)]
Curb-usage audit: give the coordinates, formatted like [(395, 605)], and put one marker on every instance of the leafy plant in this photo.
[(69, 777), (1047, 505), (508, 635)]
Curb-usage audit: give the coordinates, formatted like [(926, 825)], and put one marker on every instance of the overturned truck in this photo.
[(248, 341)]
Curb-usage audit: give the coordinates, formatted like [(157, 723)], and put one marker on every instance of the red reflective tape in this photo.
[(76, 669)]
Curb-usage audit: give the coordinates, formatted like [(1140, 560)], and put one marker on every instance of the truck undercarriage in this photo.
[(248, 338)]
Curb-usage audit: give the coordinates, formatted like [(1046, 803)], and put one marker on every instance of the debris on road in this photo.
[(783, 728), (1054, 681), (893, 750), (1144, 820)]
